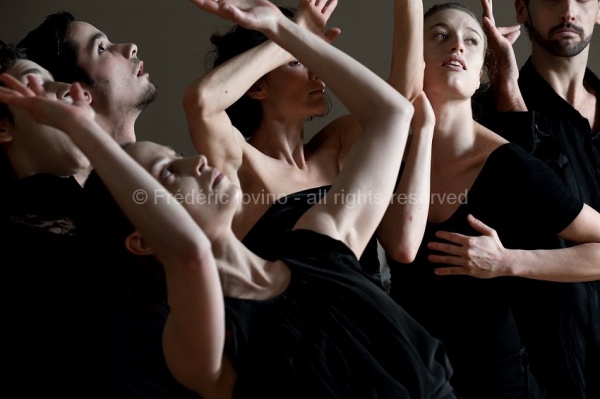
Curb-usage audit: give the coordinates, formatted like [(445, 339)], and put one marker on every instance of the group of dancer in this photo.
[(492, 296)]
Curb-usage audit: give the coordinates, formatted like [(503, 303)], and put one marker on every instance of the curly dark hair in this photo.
[(246, 113), (48, 46)]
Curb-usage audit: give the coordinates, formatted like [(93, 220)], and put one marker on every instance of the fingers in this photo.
[(330, 7), (455, 238), (14, 84), (480, 226), (488, 10), (77, 93), (332, 34), (451, 271), (36, 86)]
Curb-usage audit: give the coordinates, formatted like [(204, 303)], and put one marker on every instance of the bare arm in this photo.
[(207, 98), (383, 113), (197, 313), (503, 68), (485, 257), (407, 69), (401, 230), (403, 225)]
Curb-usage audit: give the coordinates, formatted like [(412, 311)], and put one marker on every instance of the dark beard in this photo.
[(559, 48), (147, 98)]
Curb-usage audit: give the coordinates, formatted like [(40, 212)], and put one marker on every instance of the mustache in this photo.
[(567, 25)]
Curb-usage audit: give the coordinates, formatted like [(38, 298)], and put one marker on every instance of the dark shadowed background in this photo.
[(173, 40)]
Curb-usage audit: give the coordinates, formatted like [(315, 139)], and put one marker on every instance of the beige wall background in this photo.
[(173, 40)]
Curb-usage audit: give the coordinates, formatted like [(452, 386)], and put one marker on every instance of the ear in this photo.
[(258, 91), (6, 129), (136, 244), (521, 9)]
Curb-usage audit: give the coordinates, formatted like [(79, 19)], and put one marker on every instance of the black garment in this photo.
[(65, 331), (331, 334), (514, 193), (564, 339), (50, 342), (264, 239)]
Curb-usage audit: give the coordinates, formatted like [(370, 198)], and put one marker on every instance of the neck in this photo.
[(119, 127), (564, 74), (282, 141), (454, 134), (242, 273)]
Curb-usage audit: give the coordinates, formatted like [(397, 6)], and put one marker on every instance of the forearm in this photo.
[(403, 225), (345, 76), (507, 96), (407, 68), (222, 86), (573, 264)]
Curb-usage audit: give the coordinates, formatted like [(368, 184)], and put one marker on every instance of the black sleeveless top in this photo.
[(264, 239)]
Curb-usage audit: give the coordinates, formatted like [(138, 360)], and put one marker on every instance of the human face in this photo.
[(563, 28), (40, 148), (292, 90), (120, 82), (454, 47), (204, 191)]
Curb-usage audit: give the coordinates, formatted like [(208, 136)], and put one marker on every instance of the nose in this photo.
[(457, 47), (568, 14), (130, 50), (312, 75), (62, 90)]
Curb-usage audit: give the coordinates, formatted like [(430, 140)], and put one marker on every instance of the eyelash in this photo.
[(101, 48), (295, 63)]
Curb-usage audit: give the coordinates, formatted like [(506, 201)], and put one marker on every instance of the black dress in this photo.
[(264, 239), (527, 205), (331, 334)]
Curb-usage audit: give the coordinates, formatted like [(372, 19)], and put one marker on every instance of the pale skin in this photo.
[(120, 79), (33, 148), (204, 260), (276, 161), (401, 230), (453, 54)]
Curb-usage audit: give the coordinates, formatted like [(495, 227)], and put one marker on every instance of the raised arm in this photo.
[(401, 230), (207, 98), (354, 206), (407, 69), (197, 313), (502, 63)]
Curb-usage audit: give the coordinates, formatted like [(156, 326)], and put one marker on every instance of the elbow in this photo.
[(194, 102), (404, 253), (402, 249)]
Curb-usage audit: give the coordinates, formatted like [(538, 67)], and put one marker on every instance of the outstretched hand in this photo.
[(44, 108), (258, 15), (314, 14), (480, 256)]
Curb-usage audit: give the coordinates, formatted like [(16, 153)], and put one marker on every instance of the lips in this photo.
[(140, 71), (454, 61)]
